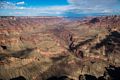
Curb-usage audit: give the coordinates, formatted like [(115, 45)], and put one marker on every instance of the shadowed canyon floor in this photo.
[(56, 48)]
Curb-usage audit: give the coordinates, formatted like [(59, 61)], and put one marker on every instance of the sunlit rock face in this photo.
[(46, 48)]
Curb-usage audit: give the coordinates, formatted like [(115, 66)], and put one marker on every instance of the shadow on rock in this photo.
[(114, 72), (111, 43), (59, 78), (87, 77), (18, 78), (22, 53)]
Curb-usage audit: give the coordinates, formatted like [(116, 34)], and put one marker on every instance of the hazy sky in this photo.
[(58, 7)]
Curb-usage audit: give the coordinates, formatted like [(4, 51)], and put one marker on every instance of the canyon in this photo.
[(59, 48)]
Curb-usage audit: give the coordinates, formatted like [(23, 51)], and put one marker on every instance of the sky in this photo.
[(59, 7)]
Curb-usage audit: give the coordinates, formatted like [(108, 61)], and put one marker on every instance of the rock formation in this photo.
[(56, 48)]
